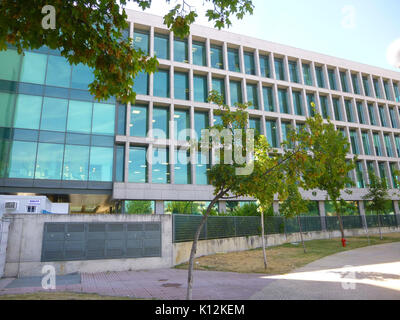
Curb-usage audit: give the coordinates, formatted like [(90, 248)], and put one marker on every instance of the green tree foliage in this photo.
[(138, 207), (91, 32)]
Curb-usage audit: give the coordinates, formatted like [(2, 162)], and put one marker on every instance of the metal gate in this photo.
[(93, 241)]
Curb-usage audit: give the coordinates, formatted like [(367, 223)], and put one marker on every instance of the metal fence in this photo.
[(185, 226)]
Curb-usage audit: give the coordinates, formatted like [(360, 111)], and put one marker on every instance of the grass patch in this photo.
[(285, 258), (60, 296)]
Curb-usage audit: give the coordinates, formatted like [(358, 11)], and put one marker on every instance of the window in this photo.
[(58, 72), (181, 86), (10, 62), (268, 99), (202, 166), (199, 53), (371, 113), (27, 112), (181, 51), (160, 166), (236, 92), (359, 174), (395, 178), (393, 119), (264, 66), (161, 46), (332, 79), (219, 86), (388, 145), (120, 163), (103, 119), (279, 69), (396, 91), (182, 124), (233, 60), (310, 100), (252, 96), (141, 83), (101, 164), (249, 63), (121, 122), (200, 88), (54, 114), (79, 117), (22, 159), (49, 161), (377, 89), (370, 168), (182, 167), (307, 74), (349, 110), (137, 165), (82, 76), (30, 209), (286, 127), (76, 163), (255, 125), (354, 142), (160, 123), (138, 124), (343, 80), (382, 170), (161, 84), (337, 109), (366, 86), (200, 123), (324, 106), (360, 112), (297, 104), (356, 87), (377, 143), (33, 68), (216, 57), (294, 76), (397, 142), (320, 77), (271, 133), (382, 116), (365, 140), (141, 41), (387, 90), (283, 103)]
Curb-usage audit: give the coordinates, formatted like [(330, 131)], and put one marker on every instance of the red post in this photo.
[(343, 242)]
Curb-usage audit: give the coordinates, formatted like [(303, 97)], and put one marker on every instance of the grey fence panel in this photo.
[(292, 225), (221, 227), (388, 220), (372, 221), (92, 241), (185, 227), (274, 225), (309, 224), (248, 226)]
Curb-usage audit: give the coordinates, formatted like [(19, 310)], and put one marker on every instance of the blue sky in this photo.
[(358, 30)]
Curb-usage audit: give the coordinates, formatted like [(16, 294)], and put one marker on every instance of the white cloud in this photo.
[(348, 17), (393, 53)]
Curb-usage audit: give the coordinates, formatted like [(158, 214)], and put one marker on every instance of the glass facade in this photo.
[(255, 124), (297, 103), (307, 74), (320, 77), (182, 124), (236, 92), (356, 87), (233, 60), (252, 95), (393, 119), (332, 79), (199, 53), (377, 89), (279, 69), (181, 86), (337, 109), (219, 85), (161, 46), (201, 122), (141, 83), (371, 114), (201, 169), (161, 84), (343, 80), (264, 66), (249, 65), (377, 144), (182, 170), (141, 40), (268, 99), (388, 145), (354, 142), (217, 60), (324, 106), (294, 75), (366, 144), (138, 124), (200, 88), (283, 101), (181, 51), (360, 112), (367, 90), (382, 116), (349, 110), (359, 175), (310, 100), (271, 133), (160, 166), (160, 122), (387, 90)]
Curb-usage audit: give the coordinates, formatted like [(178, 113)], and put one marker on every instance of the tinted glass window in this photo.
[(27, 113), (161, 84), (33, 68), (54, 114), (49, 161), (138, 124), (101, 164), (76, 163), (79, 116), (103, 118), (58, 72), (161, 46)]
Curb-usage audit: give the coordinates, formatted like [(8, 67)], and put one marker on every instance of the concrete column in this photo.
[(321, 209), (222, 206), (396, 208), (276, 208), (159, 209), (362, 214)]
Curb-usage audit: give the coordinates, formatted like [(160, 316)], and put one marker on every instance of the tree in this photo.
[(138, 207), (377, 195), (93, 32), (326, 166)]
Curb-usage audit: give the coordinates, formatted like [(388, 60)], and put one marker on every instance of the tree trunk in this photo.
[(301, 234), (194, 245), (263, 239), (379, 225), (340, 224)]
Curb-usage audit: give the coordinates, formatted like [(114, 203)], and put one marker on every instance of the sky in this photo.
[(357, 30)]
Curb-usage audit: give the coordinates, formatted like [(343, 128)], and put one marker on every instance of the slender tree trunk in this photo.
[(194, 245), (263, 239), (301, 234), (340, 224), (379, 225)]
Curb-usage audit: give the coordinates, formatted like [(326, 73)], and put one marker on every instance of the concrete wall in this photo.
[(4, 226), (25, 245), (208, 247)]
